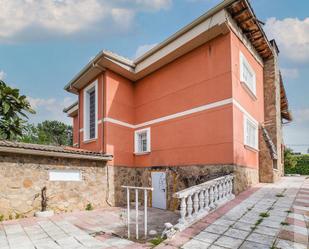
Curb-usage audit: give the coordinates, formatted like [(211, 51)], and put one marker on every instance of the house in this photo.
[(207, 101)]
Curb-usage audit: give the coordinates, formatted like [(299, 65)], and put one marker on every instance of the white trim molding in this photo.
[(115, 121), (140, 151), (172, 116), (184, 113), (243, 110), (250, 83), (86, 110), (249, 141)]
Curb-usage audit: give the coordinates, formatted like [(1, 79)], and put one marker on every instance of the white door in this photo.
[(159, 189)]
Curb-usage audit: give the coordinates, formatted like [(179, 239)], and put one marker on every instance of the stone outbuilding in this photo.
[(73, 177)]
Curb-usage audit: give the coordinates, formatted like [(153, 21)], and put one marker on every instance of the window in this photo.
[(247, 74), (90, 111), (142, 141), (92, 114), (65, 175), (250, 132)]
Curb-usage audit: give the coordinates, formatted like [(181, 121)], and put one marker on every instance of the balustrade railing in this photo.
[(136, 190), (197, 201)]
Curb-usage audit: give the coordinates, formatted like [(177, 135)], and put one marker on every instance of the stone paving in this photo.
[(97, 229), (266, 216), (269, 216)]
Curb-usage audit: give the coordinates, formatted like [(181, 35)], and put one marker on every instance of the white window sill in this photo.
[(141, 153), (248, 90), (248, 147), (87, 141)]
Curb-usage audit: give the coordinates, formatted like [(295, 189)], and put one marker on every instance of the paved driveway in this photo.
[(271, 216)]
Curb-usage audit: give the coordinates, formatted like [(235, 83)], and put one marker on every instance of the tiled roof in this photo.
[(64, 151)]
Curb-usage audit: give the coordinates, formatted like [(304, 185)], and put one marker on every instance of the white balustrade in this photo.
[(137, 189), (197, 201)]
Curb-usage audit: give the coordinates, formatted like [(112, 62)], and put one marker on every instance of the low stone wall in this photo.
[(180, 177), (23, 176)]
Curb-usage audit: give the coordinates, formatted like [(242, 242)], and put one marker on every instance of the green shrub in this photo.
[(301, 167), (1, 217), (156, 241)]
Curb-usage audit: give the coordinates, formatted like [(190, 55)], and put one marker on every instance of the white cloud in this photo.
[(291, 73), (301, 116), (66, 17), (297, 132), (123, 17), (154, 4), (292, 36), (143, 49), (2, 75), (49, 109)]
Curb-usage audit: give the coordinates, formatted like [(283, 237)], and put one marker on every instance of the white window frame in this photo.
[(255, 123), (86, 110), (251, 88), (65, 175), (136, 134)]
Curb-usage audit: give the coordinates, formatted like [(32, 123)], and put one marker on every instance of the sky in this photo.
[(44, 43)]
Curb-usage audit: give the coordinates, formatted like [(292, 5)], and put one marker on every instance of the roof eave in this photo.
[(185, 29), (69, 108), (96, 63), (25, 151)]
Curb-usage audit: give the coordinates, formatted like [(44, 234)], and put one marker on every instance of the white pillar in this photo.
[(145, 212), (189, 208), (183, 210), (202, 201), (207, 199), (220, 189), (211, 197), (128, 211), (216, 194), (195, 203), (232, 180), (136, 212)]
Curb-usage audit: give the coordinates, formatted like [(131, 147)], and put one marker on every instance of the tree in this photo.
[(13, 109), (48, 132), (290, 160), (55, 132)]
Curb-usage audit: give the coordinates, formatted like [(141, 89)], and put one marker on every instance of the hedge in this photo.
[(302, 166)]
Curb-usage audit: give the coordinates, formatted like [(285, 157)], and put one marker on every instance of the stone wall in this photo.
[(23, 176), (265, 161), (272, 112), (178, 178)]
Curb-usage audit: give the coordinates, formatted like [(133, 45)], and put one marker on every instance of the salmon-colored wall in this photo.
[(95, 144), (119, 96), (206, 75), (201, 138), (254, 106), (197, 78)]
